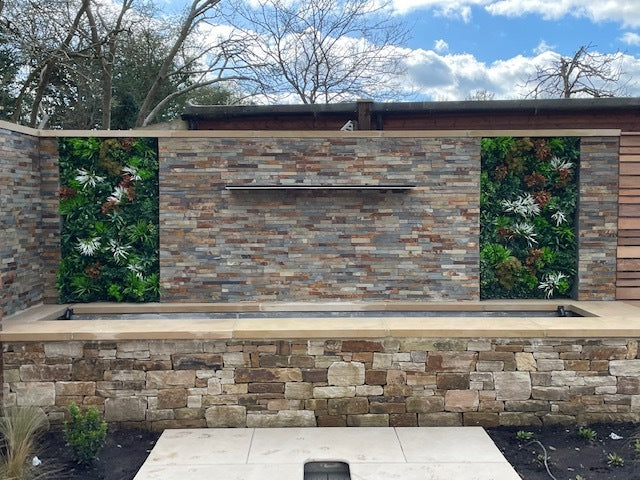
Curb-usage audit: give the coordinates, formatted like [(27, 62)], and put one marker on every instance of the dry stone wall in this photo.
[(375, 382)]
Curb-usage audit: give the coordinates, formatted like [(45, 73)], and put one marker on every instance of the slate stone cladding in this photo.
[(220, 245), (598, 218), (20, 222), (328, 382)]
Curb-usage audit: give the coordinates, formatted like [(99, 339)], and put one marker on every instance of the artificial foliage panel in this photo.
[(109, 209), (528, 205)]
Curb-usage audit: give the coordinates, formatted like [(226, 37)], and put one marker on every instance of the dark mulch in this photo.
[(569, 454), (120, 458)]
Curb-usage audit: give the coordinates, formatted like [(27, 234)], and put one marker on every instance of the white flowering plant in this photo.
[(109, 207), (528, 201)]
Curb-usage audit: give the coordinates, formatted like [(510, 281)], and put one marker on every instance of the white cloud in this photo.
[(434, 76), (625, 12), (441, 46), (456, 9), (630, 38), (542, 47)]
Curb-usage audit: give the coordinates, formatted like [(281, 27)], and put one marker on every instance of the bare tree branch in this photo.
[(325, 50), (586, 73)]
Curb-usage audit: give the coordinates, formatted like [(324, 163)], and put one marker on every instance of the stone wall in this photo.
[(29, 220), (20, 222), (220, 245), (374, 382), (598, 218)]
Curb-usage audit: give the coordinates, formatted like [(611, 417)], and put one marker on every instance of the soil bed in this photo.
[(570, 455), (120, 458)]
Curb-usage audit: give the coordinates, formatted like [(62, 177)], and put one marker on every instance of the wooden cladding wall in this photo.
[(628, 280)]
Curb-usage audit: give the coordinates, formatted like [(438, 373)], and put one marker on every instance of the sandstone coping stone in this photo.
[(512, 385), (284, 418), (298, 390), (226, 416), (368, 420), (171, 378), (461, 401), (625, 368), (38, 394), (125, 409), (344, 374), (424, 404), (334, 392)]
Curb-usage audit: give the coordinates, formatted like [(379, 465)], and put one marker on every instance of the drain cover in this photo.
[(326, 471)]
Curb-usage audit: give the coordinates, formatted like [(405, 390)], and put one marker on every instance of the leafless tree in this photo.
[(586, 73), (325, 50), (199, 59), (104, 32), (481, 94)]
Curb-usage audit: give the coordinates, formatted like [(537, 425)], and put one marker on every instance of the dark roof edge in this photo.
[(523, 106), (217, 111)]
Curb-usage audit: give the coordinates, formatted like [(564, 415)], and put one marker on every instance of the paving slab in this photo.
[(375, 453), (347, 444)]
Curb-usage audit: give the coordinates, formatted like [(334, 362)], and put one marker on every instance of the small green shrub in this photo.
[(85, 433), (615, 460), (587, 433), (636, 446), (523, 435)]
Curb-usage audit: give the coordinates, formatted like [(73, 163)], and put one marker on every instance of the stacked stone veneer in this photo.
[(598, 218), (29, 220), (397, 382), (221, 245)]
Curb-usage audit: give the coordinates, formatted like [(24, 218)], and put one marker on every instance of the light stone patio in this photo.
[(431, 453)]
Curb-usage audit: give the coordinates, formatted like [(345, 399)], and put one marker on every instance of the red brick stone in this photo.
[(266, 388), (265, 375), (314, 375), (403, 420), (332, 420), (375, 377), (362, 346)]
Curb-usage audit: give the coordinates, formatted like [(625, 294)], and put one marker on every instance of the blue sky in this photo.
[(456, 47), (462, 45)]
